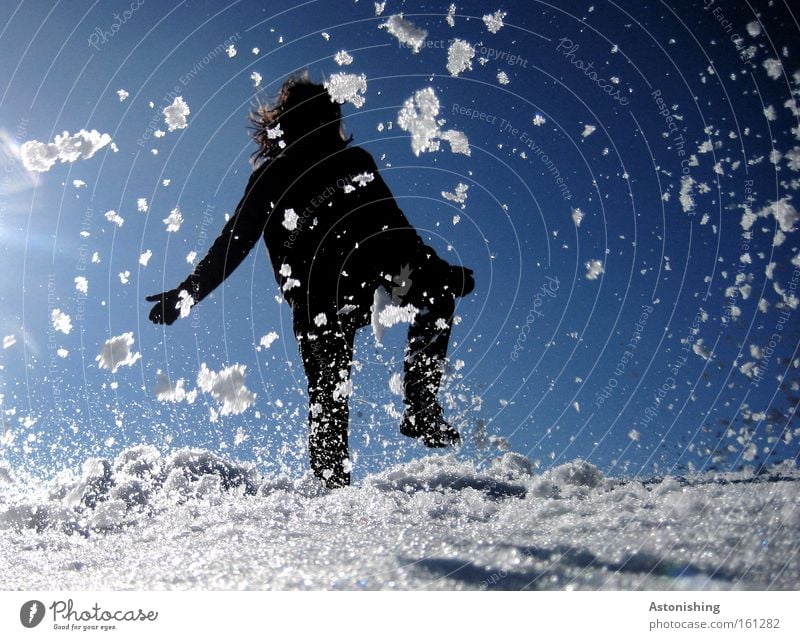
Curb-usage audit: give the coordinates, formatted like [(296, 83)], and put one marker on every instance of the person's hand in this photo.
[(165, 311)]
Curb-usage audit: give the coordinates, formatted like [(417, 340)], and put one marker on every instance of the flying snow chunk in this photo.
[(458, 141), (116, 352), (175, 114), (396, 384), (406, 32), (290, 219), (185, 302), (701, 350), (347, 87), (393, 314), (267, 340), (124, 277), (165, 391), (343, 389), (145, 257), (753, 28), (588, 129), (227, 388), (174, 220), (231, 51), (60, 321), (577, 216), (502, 78), (686, 195), (773, 67), (784, 213), (363, 179), (141, 205), (61, 352), (379, 7), (41, 156), (494, 21), (459, 57), (450, 17), (122, 95), (256, 78), (9, 341), (191, 257), (418, 117), (78, 184), (538, 120), (343, 58), (594, 269), (459, 195), (320, 319)]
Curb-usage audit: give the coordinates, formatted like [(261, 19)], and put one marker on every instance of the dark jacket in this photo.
[(337, 248)]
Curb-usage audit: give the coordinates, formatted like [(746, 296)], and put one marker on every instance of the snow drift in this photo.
[(192, 519)]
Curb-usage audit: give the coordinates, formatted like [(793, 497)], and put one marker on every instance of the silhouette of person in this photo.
[(337, 242)]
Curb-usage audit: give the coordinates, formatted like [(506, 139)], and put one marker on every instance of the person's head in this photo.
[(305, 113)]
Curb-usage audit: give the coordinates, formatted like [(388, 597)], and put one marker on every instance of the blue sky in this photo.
[(681, 396)]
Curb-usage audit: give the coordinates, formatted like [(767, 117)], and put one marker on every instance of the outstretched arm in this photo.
[(230, 248)]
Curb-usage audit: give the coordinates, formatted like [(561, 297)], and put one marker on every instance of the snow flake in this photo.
[(594, 269), (41, 156), (342, 58), (406, 32), (362, 179), (185, 303), (267, 340), (174, 220), (450, 18), (290, 219), (60, 321), (459, 57), (175, 114), (459, 195), (347, 87), (116, 352), (773, 67), (418, 116), (227, 388), (494, 21)]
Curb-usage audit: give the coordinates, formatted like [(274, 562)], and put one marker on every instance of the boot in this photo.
[(429, 426)]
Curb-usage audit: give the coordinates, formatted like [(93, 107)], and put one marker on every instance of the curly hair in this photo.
[(302, 111)]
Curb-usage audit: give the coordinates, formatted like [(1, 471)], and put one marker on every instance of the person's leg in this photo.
[(327, 354), (428, 339)]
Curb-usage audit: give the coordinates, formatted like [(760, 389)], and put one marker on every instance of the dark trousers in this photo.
[(327, 354)]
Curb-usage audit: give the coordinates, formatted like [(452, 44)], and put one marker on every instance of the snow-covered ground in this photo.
[(196, 521)]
